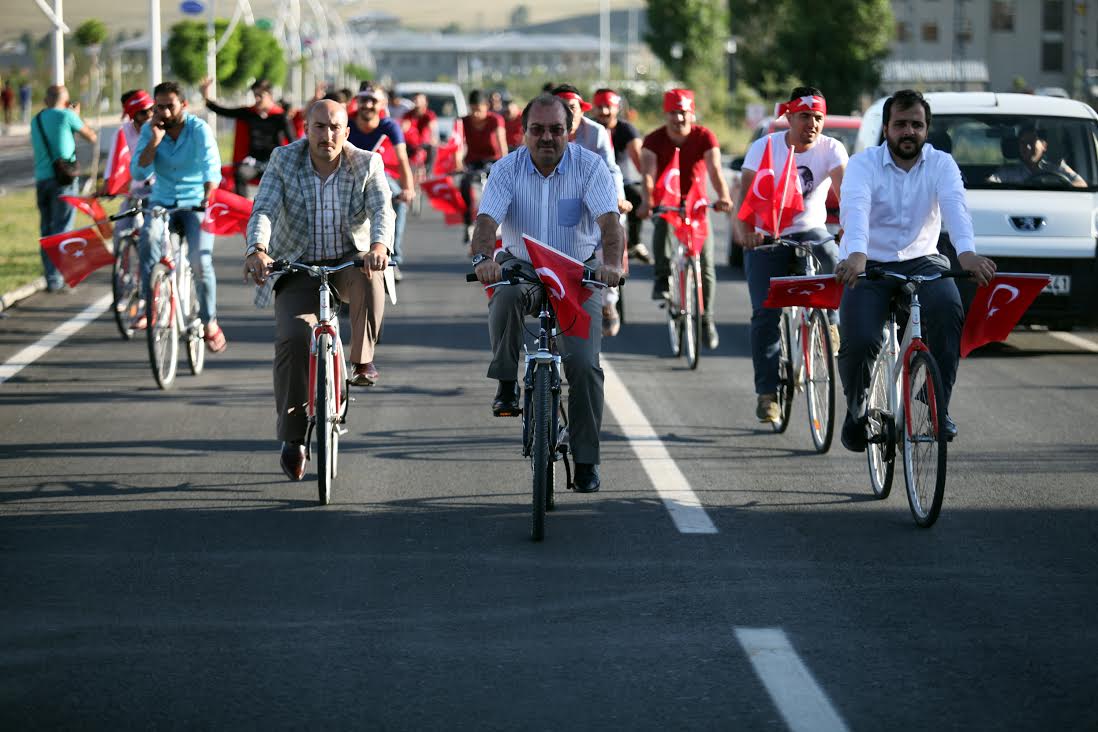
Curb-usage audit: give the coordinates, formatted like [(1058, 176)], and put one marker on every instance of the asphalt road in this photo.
[(158, 571)]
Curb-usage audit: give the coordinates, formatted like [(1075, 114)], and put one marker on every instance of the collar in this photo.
[(316, 173), (562, 166), (887, 160)]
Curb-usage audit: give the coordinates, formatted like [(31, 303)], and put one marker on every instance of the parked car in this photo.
[(844, 129), (1044, 222), (447, 101)]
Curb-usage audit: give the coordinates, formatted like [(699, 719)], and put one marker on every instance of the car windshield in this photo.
[(845, 135), (441, 104), (1003, 152)]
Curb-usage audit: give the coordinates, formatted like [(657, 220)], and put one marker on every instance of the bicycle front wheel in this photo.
[(192, 324), (327, 435), (126, 286), (881, 429), (819, 374), (162, 331), (924, 439), (674, 313), (786, 377), (540, 457), (691, 317)]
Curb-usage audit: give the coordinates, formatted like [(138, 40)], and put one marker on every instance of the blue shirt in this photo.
[(387, 126), (559, 210), (59, 125), (182, 166)]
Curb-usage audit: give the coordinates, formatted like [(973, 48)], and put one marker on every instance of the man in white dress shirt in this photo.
[(894, 199)]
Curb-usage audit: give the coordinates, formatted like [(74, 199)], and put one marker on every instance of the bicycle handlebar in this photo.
[(315, 270), (770, 243), (877, 273), (514, 276), (680, 209), (126, 214), (168, 210)]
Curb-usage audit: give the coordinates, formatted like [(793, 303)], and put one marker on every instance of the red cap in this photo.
[(607, 99), (138, 102), (569, 96), (675, 100)]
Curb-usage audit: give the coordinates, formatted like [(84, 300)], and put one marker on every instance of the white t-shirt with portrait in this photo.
[(814, 167)]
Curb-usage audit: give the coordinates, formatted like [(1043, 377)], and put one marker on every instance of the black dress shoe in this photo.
[(293, 460), (506, 403), (949, 428), (587, 478), (661, 289), (853, 435)]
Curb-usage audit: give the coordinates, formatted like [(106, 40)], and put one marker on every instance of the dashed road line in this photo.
[(43, 345), (1074, 340)]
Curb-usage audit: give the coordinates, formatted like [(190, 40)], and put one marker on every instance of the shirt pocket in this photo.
[(568, 211)]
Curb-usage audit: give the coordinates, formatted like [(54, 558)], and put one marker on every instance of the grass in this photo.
[(20, 262)]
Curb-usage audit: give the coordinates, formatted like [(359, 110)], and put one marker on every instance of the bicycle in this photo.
[(544, 418), (685, 302), (806, 354), (126, 272), (471, 185), (171, 307), (329, 380), (906, 405)]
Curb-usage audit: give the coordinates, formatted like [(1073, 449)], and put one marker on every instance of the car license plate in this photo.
[(1060, 285)]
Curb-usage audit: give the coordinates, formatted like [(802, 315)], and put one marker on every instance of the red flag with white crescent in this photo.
[(226, 213), (562, 276), (772, 202), (77, 254), (118, 165), (228, 179), (90, 206), (669, 190), (445, 197), (817, 291), (693, 230), (446, 157), (998, 306), (389, 159)]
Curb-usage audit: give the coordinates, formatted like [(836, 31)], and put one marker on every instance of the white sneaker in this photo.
[(397, 276)]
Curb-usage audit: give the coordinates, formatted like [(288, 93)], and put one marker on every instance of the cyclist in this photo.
[(181, 150), (512, 121), (820, 161), (895, 197), (627, 150), (485, 143), (260, 128), (698, 151), (420, 128), (564, 196), (366, 131), (303, 213)]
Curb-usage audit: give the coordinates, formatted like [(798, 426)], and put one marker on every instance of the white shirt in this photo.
[(893, 216), (814, 167)]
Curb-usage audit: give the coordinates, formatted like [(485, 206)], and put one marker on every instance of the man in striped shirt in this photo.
[(563, 196)]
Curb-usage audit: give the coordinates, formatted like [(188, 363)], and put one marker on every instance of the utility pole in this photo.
[(604, 41), (155, 70), (56, 18)]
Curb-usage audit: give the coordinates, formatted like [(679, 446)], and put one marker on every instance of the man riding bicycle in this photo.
[(895, 197), (420, 127), (562, 195), (820, 161), (322, 201), (485, 143), (627, 143)]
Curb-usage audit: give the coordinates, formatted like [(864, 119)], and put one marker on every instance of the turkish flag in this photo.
[(117, 172), (228, 179), (773, 201), (77, 254), (817, 291), (445, 197), (669, 190), (562, 276), (693, 231), (998, 306), (446, 158), (90, 206), (385, 149), (226, 213)]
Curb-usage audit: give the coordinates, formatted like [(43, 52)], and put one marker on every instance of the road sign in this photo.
[(192, 7)]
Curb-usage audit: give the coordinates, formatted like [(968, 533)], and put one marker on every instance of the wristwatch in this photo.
[(253, 249), (480, 258)]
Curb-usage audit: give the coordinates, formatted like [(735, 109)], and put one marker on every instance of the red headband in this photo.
[(138, 102), (676, 100), (607, 99), (803, 104), (569, 96)]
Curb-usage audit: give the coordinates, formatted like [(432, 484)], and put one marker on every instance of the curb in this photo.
[(21, 293)]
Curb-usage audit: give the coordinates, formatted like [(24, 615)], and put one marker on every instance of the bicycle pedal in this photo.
[(342, 431), (517, 413)]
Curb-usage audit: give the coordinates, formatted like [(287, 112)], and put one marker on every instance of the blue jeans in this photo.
[(401, 209), (54, 217), (200, 253), (765, 322)]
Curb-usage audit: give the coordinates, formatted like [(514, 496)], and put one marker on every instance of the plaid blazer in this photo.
[(282, 216)]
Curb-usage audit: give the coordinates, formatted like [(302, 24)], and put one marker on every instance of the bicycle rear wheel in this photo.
[(881, 430), (126, 286), (674, 313), (540, 458), (786, 377), (192, 324), (691, 317), (924, 439), (162, 332), (327, 434), (819, 374)]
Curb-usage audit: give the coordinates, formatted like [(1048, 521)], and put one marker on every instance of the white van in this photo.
[(1043, 221), (447, 101)]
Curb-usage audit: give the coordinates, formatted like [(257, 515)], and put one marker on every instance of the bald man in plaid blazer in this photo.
[(321, 201)]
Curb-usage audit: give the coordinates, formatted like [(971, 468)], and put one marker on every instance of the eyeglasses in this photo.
[(540, 130)]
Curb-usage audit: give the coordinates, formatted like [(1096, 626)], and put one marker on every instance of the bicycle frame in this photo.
[(908, 344), (326, 324)]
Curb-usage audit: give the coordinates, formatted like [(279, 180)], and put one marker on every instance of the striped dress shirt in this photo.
[(559, 210), (330, 239)]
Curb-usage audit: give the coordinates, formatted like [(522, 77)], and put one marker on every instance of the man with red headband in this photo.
[(820, 162), (138, 106), (627, 150), (698, 151)]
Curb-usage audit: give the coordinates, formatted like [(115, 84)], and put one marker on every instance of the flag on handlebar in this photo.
[(389, 159), (226, 213), (817, 291), (668, 191), (445, 197), (693, 231), (446, 157), (90, 206), (562, 276), (77, 254), (772, 203), (998, 306), (117, 172)]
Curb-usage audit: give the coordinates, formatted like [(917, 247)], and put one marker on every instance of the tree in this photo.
[(187, 51), (260, 57), (689, 37), (90, 33)]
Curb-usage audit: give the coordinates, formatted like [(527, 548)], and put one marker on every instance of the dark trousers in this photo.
[(54, 216), (863, 313), (634, 193)]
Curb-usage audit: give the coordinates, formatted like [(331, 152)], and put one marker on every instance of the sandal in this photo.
[(216, 342)]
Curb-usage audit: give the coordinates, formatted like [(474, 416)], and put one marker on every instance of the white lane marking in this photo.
[(799, 699), (40, 348), (673, 488), (1074, 340)]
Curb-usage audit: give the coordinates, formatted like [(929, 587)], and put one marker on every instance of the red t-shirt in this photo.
[(417, 127), (513, 131), (481, 141), (691, 153)]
